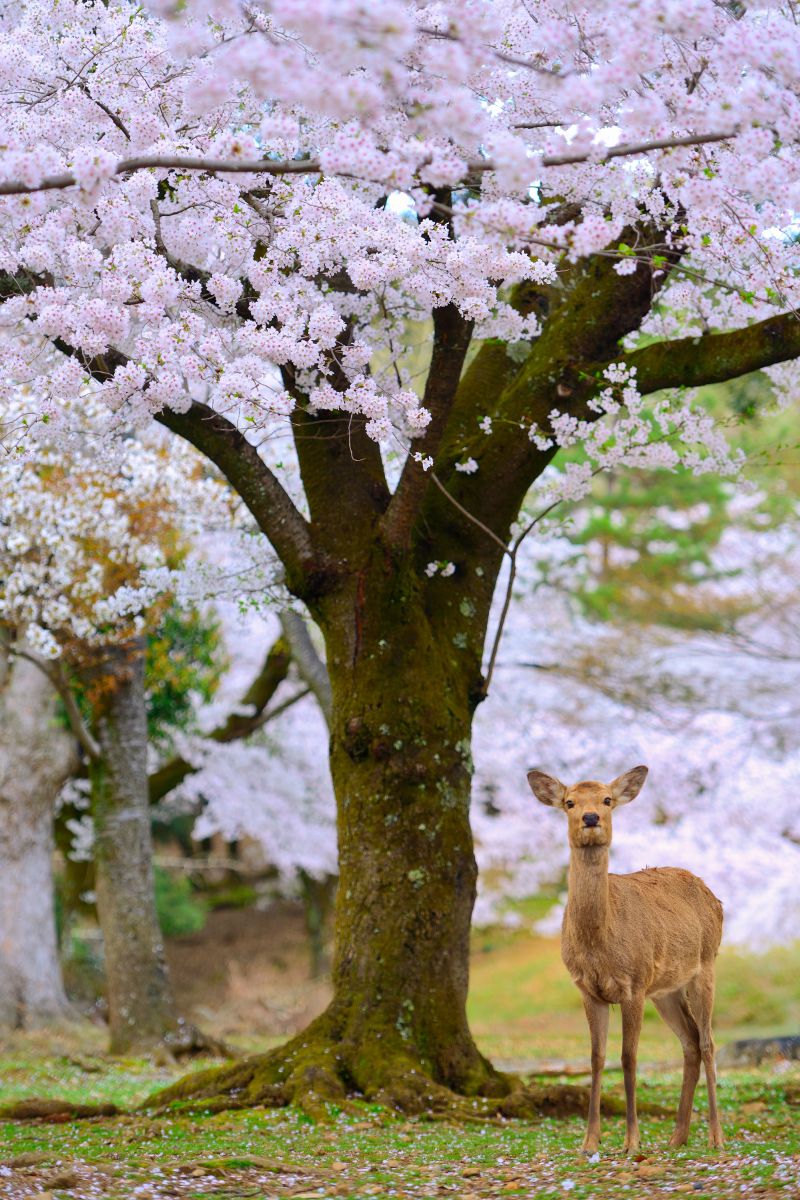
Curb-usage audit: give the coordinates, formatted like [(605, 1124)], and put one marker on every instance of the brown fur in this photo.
[(652, 933)]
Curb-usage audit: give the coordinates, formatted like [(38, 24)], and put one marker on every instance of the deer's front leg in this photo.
[(632, 1013), (597, 1016)]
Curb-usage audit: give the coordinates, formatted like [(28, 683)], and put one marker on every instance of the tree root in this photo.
[(187, 1041), (37, 1109), (321, 1075)]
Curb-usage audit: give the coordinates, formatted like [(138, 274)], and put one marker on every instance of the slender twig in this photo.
[(466, 513), (512, 553)]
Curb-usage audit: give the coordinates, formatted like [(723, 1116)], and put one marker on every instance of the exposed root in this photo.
[(568, 1100), (321, 1075), (187, 1041), (37, 1109)]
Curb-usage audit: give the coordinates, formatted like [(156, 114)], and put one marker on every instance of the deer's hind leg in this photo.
[(700, 994), (597, 1016), (675, 1011)]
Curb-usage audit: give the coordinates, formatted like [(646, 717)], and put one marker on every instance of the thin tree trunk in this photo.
[(37, 756), (318, 897), (141, 1008)]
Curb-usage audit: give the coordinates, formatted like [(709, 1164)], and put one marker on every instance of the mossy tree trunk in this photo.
[(401, 767), (404, 687), (140, 1004)]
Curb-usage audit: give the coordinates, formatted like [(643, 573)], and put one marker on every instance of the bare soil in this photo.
[(246, 974)]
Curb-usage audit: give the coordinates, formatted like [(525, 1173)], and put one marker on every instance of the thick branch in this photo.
[(273, 672), (241, 464), (340, 465), (311, 166), (583, 321), (238, 460), (451, 339), (715, 357)]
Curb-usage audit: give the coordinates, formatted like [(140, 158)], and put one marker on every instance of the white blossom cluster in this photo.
[(206, 283), (93, 531)]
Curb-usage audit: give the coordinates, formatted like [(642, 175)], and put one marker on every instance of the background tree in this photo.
[(293, 190), (80, 535), (37, 755)]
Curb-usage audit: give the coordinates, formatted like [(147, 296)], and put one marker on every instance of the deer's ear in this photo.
[(547, 789), (627, 787)]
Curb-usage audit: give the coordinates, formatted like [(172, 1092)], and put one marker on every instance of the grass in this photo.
[(522, 1008), (264, 1153)]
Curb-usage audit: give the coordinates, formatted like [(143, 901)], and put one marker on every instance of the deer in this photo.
[(652, 933)]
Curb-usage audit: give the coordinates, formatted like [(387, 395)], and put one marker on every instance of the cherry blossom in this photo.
[(93, 530), (203, 282)]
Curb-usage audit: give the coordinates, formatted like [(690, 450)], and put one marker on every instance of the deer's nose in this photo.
[(591, 819)]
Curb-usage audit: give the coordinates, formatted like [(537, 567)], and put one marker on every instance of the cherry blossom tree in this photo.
[(230, 217), (80, 528)]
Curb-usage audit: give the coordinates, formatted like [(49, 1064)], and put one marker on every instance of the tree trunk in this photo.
[(317, 899), (396, 1030), (37, 756), (141, 1008)]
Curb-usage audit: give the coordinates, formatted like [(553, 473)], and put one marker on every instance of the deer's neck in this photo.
[(587, 898)]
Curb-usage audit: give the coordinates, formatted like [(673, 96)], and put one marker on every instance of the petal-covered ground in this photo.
[(263, 1153)]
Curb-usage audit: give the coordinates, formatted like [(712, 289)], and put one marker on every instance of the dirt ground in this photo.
[(246, 974)]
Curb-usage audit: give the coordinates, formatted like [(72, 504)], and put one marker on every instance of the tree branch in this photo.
[(311, 668), (716, 357), (273, 672), (584, 320), (241, 464), (311, 166), (54, 671), (451, 338), (239, 461)]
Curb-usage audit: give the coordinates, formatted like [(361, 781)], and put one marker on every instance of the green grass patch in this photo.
[(265, 1153)]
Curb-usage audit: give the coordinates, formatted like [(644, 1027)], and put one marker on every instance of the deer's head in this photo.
[(588, 805)]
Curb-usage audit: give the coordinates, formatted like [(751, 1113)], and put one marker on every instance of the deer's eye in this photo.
[(607, 800), (570, 804)]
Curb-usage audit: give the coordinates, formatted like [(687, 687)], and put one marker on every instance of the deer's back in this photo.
[(663, 924)]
